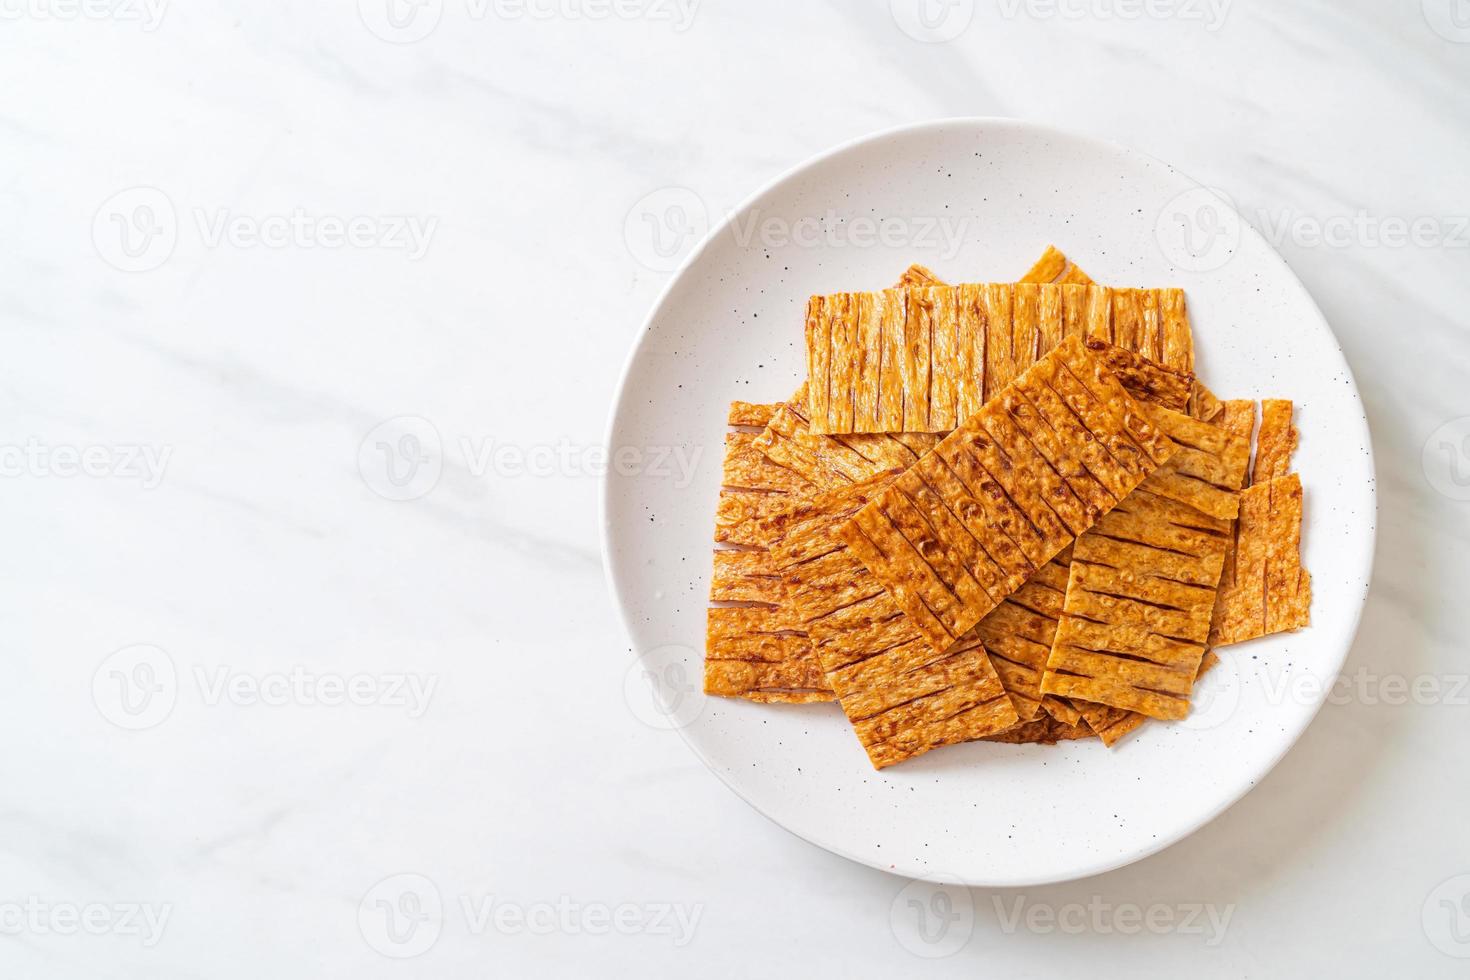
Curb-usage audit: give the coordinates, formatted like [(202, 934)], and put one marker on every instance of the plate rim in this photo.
[(1112, 862)]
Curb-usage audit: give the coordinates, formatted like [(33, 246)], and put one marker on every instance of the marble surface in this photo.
[(313, 317)]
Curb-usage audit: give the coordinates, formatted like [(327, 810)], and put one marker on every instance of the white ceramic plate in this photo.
[(977, 200)]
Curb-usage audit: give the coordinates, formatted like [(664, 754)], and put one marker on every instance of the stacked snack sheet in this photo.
[(999, 511)]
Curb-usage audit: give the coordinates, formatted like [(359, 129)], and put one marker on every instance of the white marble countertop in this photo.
[(254, 703)]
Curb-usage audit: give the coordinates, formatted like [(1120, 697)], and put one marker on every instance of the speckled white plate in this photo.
[(976, 200)]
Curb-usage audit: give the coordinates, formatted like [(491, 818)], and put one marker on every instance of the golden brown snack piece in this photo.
[(1055, 267), (1151, 322), (1238, 417), (1144, 581), (1139, 601), (1045, 730), (1209, 468), (1270, 591), (751, 650), (1244, 608), (750, 414), (1019, 633), (1203, 404), (1275, 442), (834, 461), (917, 276), (922, 359), (901, 696), (1144, 379), (1111, 724), (970, 522), (753, 486), (1142, 325)]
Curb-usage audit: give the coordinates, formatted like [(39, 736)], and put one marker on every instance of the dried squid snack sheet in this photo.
[(751, 649), (1209, 468), (1275, 442), (1203, 404), (1268, 591), (1238, 417), (902, 697), (1019, 633), (833, 461), (750, 414), (752, 487), (923, 359), (917, 275), (970, 522), (1055, 267), (1112, 724), (1271, 591), (1140, 597)]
